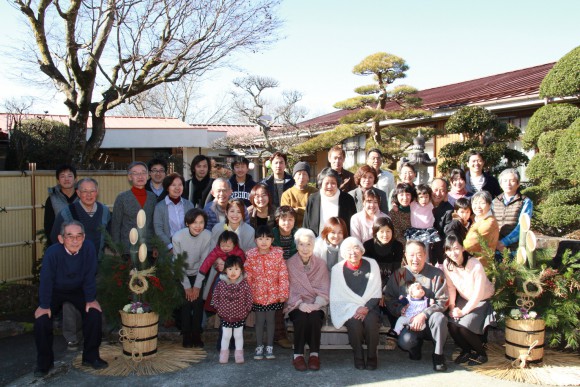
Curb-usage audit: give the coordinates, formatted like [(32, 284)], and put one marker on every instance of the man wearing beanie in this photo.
[(297, 196)]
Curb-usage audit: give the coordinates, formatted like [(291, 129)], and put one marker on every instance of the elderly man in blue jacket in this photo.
[(68, 275)]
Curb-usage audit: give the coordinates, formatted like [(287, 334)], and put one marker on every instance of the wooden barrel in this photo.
[(139, 334), (521, 334)]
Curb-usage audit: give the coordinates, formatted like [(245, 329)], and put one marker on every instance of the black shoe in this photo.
[(372, 363), (187, 340), (439, 363), (392, 334), (477, 360), (359, 363), (463, 357), (38, 373), (196, 339), (415, 353), (97, 364)]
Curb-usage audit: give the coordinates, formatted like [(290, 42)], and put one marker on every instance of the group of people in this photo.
[(357, 250)]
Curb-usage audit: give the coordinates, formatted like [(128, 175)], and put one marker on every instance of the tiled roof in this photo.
[(492, 88), (232, 130), (236, 130)]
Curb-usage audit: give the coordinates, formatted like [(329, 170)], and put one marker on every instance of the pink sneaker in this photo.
[(224, 356), (239, 356)]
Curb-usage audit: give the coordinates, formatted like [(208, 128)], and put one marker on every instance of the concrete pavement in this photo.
[(18, 359)]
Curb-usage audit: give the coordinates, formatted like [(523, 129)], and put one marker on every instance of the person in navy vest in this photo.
[(68, 274)]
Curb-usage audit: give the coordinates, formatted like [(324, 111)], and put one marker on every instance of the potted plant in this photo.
[(140, 291)]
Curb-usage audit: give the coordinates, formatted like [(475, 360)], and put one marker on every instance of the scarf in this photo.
[(328, 208), (308, 286), (140, 195), (199, 187), (406, 210), (343, 301)]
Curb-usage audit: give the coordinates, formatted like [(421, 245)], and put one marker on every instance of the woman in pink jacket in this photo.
[(470, 311)]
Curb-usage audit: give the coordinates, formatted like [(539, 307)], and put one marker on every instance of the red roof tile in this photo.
[(232, 130), (236, 130), (495, 87)]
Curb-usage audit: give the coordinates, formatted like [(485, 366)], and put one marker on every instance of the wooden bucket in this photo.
[(520, 335), (139, 334)]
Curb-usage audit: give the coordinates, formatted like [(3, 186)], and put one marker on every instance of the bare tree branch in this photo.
[(127, 47)]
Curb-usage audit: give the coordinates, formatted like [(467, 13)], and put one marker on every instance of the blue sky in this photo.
[(443, 41)]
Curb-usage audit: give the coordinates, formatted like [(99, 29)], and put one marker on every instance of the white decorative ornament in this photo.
[(141, 219), (133, 236), (142, 252)]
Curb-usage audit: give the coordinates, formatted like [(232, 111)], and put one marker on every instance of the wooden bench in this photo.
[(333, 338)]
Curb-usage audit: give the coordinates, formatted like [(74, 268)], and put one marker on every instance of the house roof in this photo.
[(232, 130), (518, 83), (111, 122), (237, 130)]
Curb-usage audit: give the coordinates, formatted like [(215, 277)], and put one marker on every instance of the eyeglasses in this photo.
[(72, 237), (138, 173), (354, 249), (158, 171), (88, 192)]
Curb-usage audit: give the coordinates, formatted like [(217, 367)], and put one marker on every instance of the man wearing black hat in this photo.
[(297, 196)]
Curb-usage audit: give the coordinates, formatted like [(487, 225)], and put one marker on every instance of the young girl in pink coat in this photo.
[(268, 279)]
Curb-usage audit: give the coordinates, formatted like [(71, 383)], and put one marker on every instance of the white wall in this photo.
[(154, 138)]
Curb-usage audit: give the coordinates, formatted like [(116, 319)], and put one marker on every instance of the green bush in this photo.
[(483, 132), (547, 118), (567, 154), (563, 79), (41, 141)]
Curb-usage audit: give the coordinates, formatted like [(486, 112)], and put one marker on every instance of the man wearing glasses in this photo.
[(157, 171), (68, 275), (95, 217), (128, 203)]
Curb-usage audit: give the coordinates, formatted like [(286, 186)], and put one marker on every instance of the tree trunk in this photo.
[(77, 137), (81, 150), (377, 133)]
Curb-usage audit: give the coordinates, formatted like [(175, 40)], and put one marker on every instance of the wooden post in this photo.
[(32, 168)]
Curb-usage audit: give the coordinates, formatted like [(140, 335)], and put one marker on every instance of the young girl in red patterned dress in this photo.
[(268, 279), (232, 298)]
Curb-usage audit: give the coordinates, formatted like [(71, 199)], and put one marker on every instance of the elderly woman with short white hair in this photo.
[(507, 208), (309, 288), (355, 292)]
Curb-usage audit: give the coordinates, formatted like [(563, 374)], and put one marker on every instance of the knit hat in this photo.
[(301, 166)]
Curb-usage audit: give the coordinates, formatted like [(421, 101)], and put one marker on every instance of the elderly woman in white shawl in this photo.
[(355, 292)]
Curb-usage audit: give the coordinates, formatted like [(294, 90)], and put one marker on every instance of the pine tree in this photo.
[(554, 133), (482, 131), (368, 110)]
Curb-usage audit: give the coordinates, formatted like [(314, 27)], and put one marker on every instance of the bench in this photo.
[(333, 338)]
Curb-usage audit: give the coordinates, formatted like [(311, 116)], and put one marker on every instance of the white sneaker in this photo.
[(259, 354), (270, 352)]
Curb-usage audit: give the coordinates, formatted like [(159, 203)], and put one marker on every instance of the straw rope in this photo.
[(138, 283), (556, 369), (170, 357), (520, 362)]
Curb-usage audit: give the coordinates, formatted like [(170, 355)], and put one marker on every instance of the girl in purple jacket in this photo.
[(232, 298)]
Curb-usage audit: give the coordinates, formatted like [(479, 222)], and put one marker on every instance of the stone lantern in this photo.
[(419, 159)]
